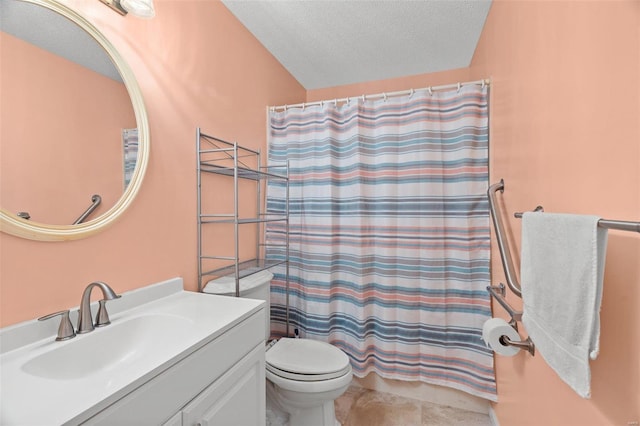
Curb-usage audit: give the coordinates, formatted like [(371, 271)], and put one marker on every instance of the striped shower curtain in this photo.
[(389, 233)]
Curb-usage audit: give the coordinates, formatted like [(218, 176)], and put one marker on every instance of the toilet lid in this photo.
[(305, 359)]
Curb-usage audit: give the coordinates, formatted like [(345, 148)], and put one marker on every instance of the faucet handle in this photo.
[(65, 329), (102, 317)]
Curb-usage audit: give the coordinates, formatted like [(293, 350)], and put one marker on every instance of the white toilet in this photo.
[(304, 376)]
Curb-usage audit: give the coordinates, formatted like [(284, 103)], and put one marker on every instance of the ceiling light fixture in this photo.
[(139, 8)]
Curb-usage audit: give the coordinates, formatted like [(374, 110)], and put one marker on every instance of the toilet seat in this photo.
[(306, 360), (307, 377)]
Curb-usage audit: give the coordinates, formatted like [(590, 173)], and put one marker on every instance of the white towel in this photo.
[(562, 267)]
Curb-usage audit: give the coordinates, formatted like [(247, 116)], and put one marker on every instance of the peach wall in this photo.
[(57, 142), (565, 133), (196, 66), (391, 85), (565, 102)]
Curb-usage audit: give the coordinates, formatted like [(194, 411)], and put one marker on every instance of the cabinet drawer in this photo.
[(155, 401)]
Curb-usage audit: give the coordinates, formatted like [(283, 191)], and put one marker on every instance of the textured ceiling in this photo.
[(49, 31), (326, 43)]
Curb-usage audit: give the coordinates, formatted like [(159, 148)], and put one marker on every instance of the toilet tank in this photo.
[(254, 286)]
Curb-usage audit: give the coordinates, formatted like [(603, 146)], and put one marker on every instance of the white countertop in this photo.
[(94, 370)]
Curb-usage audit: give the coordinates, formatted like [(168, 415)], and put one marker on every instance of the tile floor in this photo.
[(364, 407)]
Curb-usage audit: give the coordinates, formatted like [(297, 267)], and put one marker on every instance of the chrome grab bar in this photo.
[(95, 200), (503, 245), (498, 293)]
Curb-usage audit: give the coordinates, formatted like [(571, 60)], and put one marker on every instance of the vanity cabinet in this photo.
[(221, 383)]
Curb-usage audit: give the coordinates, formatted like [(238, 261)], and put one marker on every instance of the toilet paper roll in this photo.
[(495, 328)]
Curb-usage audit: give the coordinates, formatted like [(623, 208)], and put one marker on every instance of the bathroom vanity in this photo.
[(168, 357)]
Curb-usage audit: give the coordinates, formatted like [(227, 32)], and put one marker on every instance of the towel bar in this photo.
[(620, 225)]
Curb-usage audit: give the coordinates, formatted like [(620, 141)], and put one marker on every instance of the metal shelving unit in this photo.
[(217, 156)]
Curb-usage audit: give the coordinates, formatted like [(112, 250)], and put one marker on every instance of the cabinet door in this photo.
[(236, 398)]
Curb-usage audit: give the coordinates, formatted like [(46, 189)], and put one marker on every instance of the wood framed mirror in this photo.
[(49, 164)]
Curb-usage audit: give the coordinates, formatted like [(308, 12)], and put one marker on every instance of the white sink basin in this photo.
[(43, 381), (117, 345)]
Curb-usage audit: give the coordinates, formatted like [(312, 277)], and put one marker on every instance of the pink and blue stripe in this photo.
[(389, 234)]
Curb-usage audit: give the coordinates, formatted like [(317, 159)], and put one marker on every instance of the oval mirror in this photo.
[(74, 134)]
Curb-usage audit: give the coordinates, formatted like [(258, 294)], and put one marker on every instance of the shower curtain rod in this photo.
[(384, 95)]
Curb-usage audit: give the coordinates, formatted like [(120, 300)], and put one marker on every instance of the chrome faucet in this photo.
[(85, 321)]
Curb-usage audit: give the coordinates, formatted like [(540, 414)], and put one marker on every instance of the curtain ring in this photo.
[(482, 87), (411, 94), (303, 105), (363, 98), (321, 104), (459, 86), (335, 102), (384, 96), (285, 107), (430, 91)]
